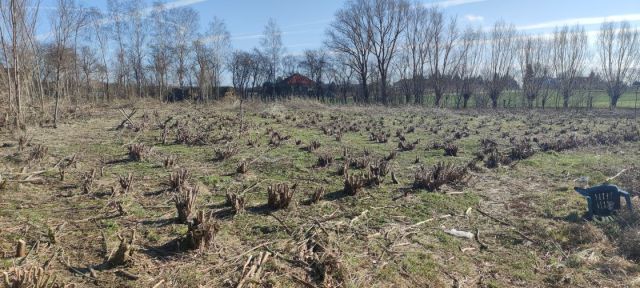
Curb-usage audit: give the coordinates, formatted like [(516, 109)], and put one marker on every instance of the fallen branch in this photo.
[(616, 176)]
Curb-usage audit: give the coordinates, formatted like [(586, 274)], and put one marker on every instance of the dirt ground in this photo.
[(61, 193)]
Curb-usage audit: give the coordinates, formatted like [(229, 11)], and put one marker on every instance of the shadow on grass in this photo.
[(119, 161), (263, 209), (164, 251), (337, 195)]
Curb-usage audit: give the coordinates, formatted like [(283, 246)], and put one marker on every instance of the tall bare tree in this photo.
[(350, 36), (315, 64), (273, 49), (64, 25), (184, 26), (388, 20), (415, 52), (442, 59), (119, 31), (138, 42), (17, 36), (100, 33), (619, 54), (533, 64), (219, 42), (569, 50), (468, 71), (500, 58), (161, 56)]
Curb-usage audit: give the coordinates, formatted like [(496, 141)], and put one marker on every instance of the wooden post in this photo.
[(21, 249)]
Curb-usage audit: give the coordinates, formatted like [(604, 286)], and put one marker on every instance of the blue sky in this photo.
[(304, 21)]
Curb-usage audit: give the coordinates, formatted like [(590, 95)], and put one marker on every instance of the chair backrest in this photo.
[(605, 200)]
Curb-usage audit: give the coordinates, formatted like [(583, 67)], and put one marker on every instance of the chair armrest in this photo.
[(627, 198)]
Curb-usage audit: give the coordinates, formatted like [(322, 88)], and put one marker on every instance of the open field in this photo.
[(525, 220)]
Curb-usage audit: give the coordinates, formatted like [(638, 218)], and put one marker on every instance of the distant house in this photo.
[(296, 84), (297, 80)]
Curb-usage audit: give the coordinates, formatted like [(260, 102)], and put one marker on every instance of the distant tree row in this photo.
[(375, 51)]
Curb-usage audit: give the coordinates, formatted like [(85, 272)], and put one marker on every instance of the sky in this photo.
[(304, 22)]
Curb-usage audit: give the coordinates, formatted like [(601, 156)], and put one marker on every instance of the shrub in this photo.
[(225, 153), (124, 254), (379, 137), (521, 150), (324, 160), (178, 180), (88, 179), (125, 183), (185, 201), (359, 163), (280, 196), (37, 277), (169, 162), (236, 201), (353, 184), (317, 195), (450, 149), (38, 153), (440, 174), (243, 168), (138, 152), (406, 146), (313, 146), (202, 231)]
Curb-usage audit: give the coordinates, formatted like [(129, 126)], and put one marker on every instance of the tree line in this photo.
[(375, 51)]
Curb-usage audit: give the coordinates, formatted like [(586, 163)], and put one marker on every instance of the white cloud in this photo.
[(474, 18), (581, 21), (450, 3)]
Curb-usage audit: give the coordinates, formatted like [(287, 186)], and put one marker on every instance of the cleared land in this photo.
[(525, 219)]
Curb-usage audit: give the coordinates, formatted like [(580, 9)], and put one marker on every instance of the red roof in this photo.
[(299, 80)]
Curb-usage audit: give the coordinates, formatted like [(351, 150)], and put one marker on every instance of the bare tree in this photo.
[(468, 72), (532, 56), (161, 56), (499, 63), (183, 25), (119, 28), (64, 24), (619, 53), (387, 19), (416, 46), (218, 42), (18, 43), (137, 43), (315, 63), (202, 55), (89, 64), (273, 49), (240, 67), (290, 64), (260, 69), (441, 52), (101, 35), (569, 49), (341, 75), (350, 36)]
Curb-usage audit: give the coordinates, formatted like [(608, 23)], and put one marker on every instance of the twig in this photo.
[(286, 228), (617, 175)]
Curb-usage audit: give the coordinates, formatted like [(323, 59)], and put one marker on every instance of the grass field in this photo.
[(514, 99), (525, 220)]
